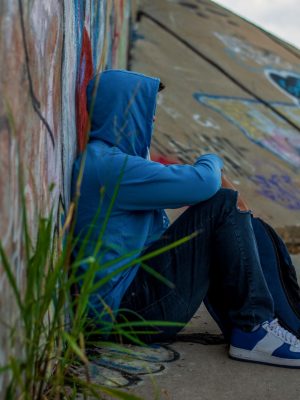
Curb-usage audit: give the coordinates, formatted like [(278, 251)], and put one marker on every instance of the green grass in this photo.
[(51, 346)]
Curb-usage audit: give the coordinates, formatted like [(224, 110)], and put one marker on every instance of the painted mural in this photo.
[(250, 55), (259, 124), (282, 74), (49, 50), (286, 81), (278, 187)]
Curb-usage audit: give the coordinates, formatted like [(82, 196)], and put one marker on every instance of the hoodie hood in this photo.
[(122, 104)]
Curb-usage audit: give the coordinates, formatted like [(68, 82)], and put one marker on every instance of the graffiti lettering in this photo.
[(258, 124), (169, 110), (247, 52), (194, 145), (280, 189), (207, 123), (287, 82)]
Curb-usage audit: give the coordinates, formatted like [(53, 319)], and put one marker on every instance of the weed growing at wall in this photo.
[(55, 327), (52, 348)]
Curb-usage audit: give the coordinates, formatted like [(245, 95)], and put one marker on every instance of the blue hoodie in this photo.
[(119, 181)]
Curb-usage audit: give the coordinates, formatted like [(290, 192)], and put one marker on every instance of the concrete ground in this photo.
[(205, 372)]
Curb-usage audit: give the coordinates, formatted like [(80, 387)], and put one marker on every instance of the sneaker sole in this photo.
[(261, 358)]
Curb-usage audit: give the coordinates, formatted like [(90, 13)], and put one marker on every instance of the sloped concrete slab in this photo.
[(222, 98), (206, 108)]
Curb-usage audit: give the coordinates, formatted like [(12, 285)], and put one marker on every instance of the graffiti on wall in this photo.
[(287, 81), (280, 73), (49, 56), (55, 71), (206, 138), (192, 146), (260, 125), (83, 78), (250, 55), (280, 188), (47, 90)]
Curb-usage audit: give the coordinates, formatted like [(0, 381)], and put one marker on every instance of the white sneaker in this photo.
[(269, 344)]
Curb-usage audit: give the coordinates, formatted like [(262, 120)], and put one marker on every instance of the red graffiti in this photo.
[(117, 30), (163, 159), (84, 76)]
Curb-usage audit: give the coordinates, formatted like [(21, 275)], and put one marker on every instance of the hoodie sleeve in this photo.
[(144, 185)]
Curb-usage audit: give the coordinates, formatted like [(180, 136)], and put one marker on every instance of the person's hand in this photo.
[(241, 204)]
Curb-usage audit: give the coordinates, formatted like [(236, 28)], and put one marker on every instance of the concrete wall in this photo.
[(49, 49), (233, 90)]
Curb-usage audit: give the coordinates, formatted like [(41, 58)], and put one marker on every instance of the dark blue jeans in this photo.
[(223, 257)]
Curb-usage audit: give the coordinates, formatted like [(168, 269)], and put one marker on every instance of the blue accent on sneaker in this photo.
[(269, 344), (247, 340), (284, 352)]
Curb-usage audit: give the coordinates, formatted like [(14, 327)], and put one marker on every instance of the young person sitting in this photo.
[(123, 195)]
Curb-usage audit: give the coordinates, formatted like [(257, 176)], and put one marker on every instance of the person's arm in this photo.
[(143, 185), (226, 183)]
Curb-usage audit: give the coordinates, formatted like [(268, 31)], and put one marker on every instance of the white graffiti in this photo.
[(67, 140), (207, 123), (246, 52), (169, 110), (259, 125)]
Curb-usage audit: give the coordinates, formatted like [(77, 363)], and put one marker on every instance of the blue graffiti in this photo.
[(258, 124), (290, 83), (97, 22), (278, 188), (79, 24)]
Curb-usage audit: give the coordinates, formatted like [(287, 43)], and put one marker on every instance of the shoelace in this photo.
[(282, 333)]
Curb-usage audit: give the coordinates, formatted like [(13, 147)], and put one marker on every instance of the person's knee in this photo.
[(230, 197), (224, 199), (227, 195)]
